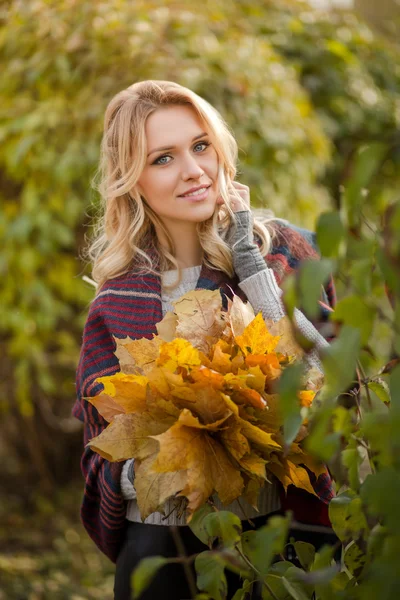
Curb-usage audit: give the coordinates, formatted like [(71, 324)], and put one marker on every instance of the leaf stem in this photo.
[(252, 567), (185, 563)]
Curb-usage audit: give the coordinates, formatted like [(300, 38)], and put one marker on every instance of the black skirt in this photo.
[(170, 583)]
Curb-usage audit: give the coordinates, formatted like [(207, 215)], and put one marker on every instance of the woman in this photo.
[(174, 219)]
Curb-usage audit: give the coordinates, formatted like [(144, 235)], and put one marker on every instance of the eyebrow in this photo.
[(172, 147)]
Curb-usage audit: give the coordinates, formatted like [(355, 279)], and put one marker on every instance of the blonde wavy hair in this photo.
[(125, 227)]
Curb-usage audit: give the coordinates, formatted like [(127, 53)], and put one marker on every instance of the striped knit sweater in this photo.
[(131, 305)]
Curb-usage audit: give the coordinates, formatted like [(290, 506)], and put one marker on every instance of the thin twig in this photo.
[(313, 528), (365, 382), (182, 554), (252, 567)]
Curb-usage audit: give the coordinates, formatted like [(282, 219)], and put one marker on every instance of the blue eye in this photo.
[(160, 158), (206, 144), (157, 161)]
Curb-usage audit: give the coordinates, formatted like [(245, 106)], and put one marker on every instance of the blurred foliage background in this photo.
[(302, 90)]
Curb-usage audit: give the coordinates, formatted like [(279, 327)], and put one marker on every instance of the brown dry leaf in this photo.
[(199, 318), (287, 344), (166, 328), (154, 488), (129, 391), (207, 464), (256, 339), (106, 406), (126, 363), (127, 436), (240, 314)]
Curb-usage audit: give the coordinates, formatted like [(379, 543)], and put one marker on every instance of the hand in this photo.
[(238, 204)]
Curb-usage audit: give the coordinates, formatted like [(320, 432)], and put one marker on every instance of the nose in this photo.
[(191, 168)]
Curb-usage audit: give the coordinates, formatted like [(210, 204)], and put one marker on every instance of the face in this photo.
[(181, 159)]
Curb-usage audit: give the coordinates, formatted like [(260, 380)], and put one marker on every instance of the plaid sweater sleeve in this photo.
[(103, 508)]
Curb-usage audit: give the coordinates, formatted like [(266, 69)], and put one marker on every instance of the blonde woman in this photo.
[(173, 219)]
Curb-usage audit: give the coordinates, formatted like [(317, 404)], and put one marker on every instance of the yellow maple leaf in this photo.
[(240, 315), (287, 343), (106, 406), (138, 354), (203, 400), (208, 466), (306, 397), (129, 391), (268, 363), (154, 488), (253, 465), (233, 439), (221, 361), (258, 437), (256, 339), (179, 352), (128, 436), (270, 418), (208, 377)]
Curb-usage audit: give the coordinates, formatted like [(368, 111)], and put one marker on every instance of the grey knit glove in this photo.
[(246, 255)]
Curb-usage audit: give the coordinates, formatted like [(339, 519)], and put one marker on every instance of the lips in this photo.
[(194, 189)]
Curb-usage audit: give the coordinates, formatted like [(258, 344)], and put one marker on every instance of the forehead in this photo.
[(171, 125)]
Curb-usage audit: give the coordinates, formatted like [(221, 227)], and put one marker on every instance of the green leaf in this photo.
[(339, 361), (197, 524), (354, 311), (245, 590), (262, 545), (380, 493), (305, 553), (313, 274), (210, 574), (293, 580), (381, 389), (365, 164), (352, 459), (288, 386), (321, 441), (330, 234), (347, 516), (145, 572), (275, 582), (224, 525), (354, 559)]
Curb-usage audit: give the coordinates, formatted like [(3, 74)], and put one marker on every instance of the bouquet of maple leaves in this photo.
[(197, 408)]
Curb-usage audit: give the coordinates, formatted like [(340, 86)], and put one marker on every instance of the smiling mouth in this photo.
[(198, 192)]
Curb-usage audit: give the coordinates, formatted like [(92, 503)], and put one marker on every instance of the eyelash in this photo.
[(206, 144)]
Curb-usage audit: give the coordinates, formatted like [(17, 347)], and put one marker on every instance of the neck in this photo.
[(188, 251)]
